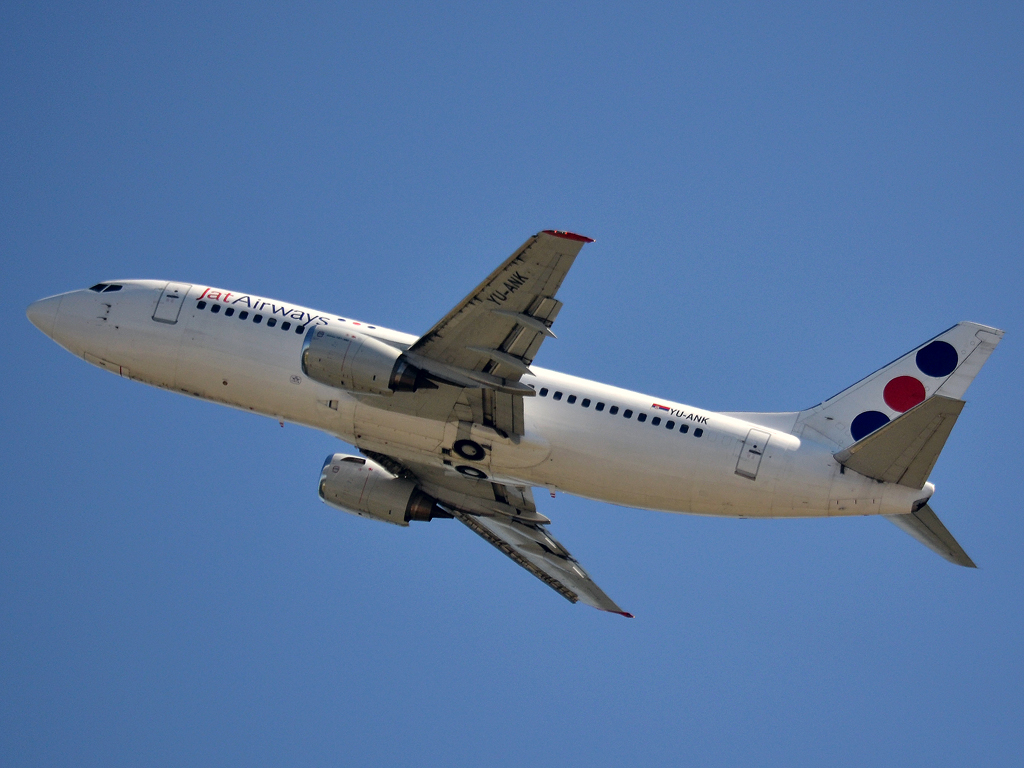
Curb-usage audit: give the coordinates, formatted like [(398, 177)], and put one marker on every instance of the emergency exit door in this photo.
[(169, 305), (751, 453)]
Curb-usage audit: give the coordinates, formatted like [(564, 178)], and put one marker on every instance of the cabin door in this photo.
[(751, 453), (171, 299)]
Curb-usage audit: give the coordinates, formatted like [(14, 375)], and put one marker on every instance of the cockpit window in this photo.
[(112, 288), (98, 287)]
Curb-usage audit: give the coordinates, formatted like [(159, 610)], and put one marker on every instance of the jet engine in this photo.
[(363, 487), (353, 361)]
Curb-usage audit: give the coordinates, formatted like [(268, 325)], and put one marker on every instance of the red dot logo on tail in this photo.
[(903, 393)]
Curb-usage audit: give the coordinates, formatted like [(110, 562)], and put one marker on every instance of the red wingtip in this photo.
[(569, 235), (623, 613)]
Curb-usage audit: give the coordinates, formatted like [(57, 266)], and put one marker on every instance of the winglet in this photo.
[(623, 613)]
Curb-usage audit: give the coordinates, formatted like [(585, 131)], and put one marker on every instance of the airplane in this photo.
[(460, 424)]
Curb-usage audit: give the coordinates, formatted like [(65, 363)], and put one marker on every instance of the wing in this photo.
[(531, 546), (498, 328), (506, 517), (488, 341)]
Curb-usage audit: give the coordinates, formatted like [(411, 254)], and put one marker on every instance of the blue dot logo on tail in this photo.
[(866, 423), (938, 359)]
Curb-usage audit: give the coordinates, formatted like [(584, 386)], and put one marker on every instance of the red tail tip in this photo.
[(568, 235)]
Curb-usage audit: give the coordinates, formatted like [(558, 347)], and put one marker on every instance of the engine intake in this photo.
[(356, 362), (363, 487)]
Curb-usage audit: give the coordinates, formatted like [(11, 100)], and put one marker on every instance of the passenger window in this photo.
[(641, 417), (201, 305), (613, 410), (599, 407), (257, 318), (543, 391), (112, 288), (242, 315), (670, 425), (656, 421), (586, 403), (571, 398), (285, 326), (271, 322), (557, 396), (627, 414), (698, 432), (98, 287), (229, 312), (684, 428), (215, 308)]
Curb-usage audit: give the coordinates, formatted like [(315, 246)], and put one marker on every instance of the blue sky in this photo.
[(783, 199)]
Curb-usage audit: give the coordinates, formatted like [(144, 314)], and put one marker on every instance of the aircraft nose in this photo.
[(43, 313)]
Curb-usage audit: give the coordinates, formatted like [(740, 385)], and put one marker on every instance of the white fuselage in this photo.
[(567, 446)]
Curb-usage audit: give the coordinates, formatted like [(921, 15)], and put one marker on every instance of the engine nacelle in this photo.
[(356, 362), (363, 487)]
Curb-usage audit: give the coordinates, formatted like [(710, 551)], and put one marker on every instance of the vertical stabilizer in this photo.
[(944, 366)]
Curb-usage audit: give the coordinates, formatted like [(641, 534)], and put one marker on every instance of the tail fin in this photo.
[(892, 425), (944, 366)]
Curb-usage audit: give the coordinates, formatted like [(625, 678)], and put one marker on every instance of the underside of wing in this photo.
[(498, 328), (530, 545), (488, 341), (506, 517)]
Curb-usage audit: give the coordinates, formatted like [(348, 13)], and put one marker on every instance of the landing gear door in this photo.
[(169, 305), (751, 453)]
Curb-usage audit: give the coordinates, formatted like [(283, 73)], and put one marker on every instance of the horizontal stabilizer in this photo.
[(925, 526), (905, 450)]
